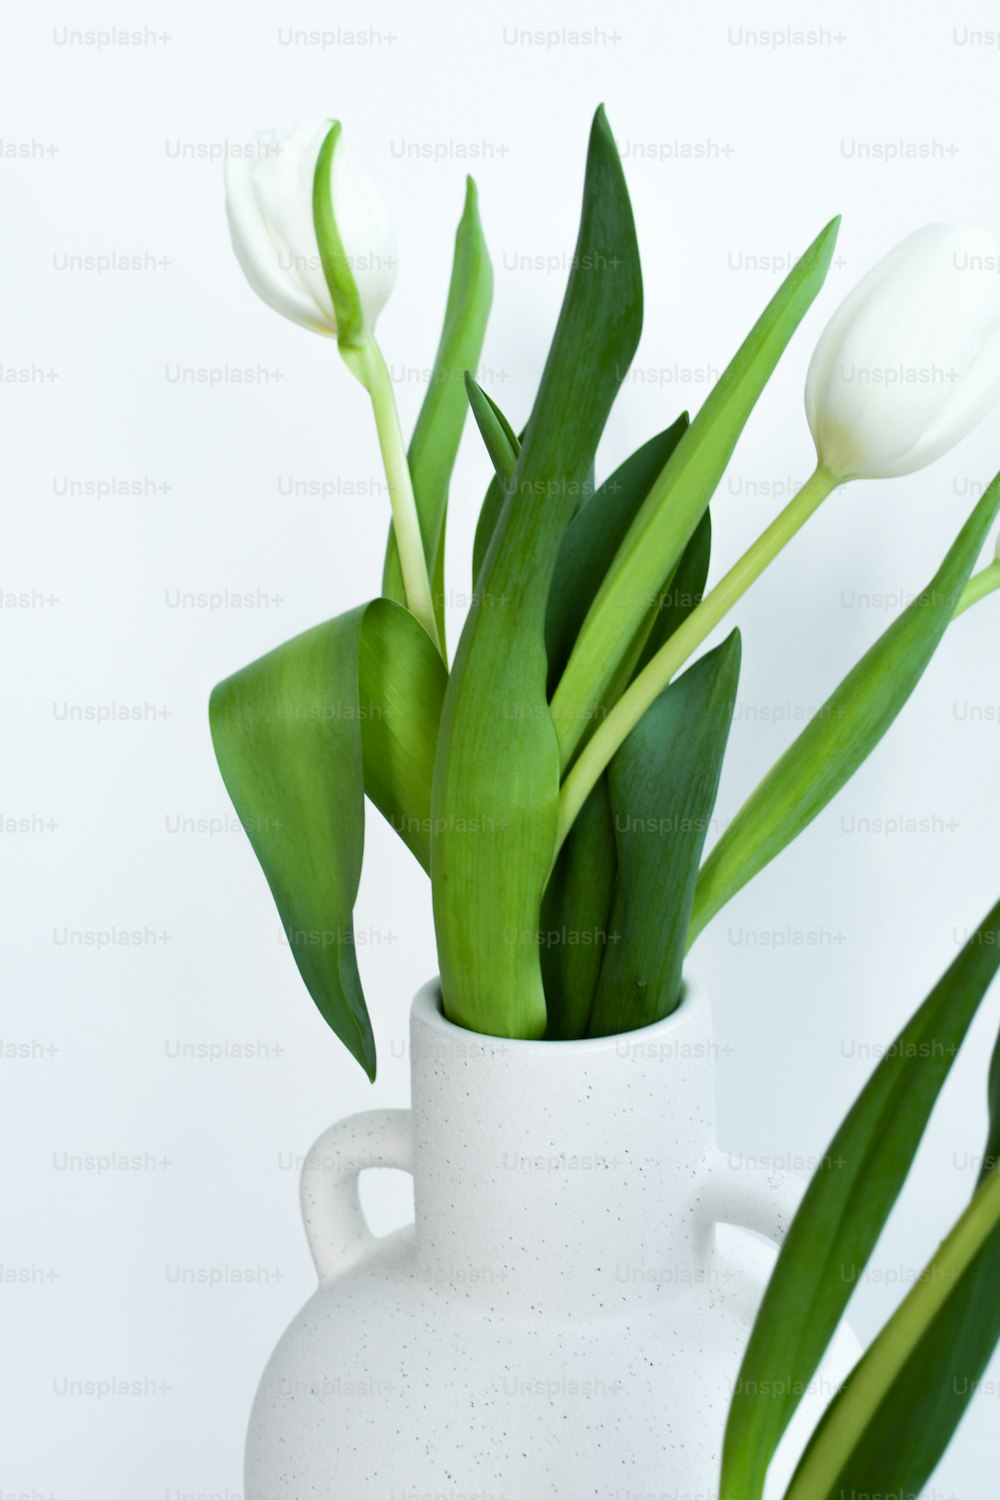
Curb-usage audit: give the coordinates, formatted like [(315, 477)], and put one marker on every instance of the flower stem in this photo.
[(978, 586), (367, 363), (651, 681)]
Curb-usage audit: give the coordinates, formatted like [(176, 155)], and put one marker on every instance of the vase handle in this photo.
[(749, 1197), (335, 1224)]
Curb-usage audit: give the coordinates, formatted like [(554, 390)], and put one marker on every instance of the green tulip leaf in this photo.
[(858, 1430), (576, 916), (663, 783), (438, 431), (840, 1220), (683, 594), (502, 443), (402, 681), (348, 708), (493, 501), (286, 731), (917, 1416), (592, 539), (676, 502), (846, 730), (576, 907), (496, 783)]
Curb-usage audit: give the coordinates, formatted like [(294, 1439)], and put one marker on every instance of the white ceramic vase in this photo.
[(565, 1318)]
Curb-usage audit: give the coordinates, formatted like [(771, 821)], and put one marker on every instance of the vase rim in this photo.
[(427, 1011)]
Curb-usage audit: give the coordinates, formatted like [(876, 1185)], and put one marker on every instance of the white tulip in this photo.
[(910, 362), (270, 206)]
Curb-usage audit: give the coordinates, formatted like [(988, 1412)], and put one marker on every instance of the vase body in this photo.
[(567, 1315)]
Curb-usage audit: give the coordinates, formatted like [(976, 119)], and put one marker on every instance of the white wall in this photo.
[(131, 131)]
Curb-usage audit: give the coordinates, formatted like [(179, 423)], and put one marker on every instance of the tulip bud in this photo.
[(311, 232), (910, 362)]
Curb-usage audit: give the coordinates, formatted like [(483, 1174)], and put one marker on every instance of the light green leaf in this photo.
[(438, 431), (496, 781), (842, 1216), (677, 501), (663, 784), (844, 732)]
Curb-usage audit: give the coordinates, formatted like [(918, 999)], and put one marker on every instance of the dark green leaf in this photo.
[(576, 911), (592, 539), (580, 892), (663, 784), (498, 764)]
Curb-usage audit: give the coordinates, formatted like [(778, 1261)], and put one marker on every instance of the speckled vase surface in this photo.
[(567, 1315)]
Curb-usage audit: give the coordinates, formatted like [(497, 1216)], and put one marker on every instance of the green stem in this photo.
[(367, 363), (978, 586), (651, 681)]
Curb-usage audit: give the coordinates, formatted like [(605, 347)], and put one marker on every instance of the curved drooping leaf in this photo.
[(438, 432), (663, 784), (286, 731), (841, 1218), (301, 735), (402, 681), (845, 731), (593, 537), (676, 502), (497, 770), (856, 1436)]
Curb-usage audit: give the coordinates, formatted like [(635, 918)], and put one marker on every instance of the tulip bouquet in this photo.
[(557, 782)]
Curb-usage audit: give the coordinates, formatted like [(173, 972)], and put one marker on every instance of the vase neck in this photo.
[(555, 1171)]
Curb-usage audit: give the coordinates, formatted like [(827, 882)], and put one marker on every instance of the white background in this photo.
[(862, 923)]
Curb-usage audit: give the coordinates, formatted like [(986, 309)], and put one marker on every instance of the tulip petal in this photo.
[(964, 409), (260, 257), (893, 362)]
